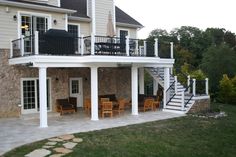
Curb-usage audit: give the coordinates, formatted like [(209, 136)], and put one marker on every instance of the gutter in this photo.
[(39, 7)]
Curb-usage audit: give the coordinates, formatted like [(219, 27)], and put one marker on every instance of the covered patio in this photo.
[(43, 63), (16, 132)]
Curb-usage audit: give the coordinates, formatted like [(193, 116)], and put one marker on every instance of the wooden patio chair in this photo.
[(107, 108), (87, 106), (148, 104), (63, 106), (121, 106)]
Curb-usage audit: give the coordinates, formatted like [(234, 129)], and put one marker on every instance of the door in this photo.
[(76, 90), (75, 31), (30, 95), (30, 24)]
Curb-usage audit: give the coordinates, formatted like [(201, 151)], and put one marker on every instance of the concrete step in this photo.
[(36, 115)]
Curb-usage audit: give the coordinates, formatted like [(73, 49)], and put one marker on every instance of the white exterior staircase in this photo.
[(179, 100)]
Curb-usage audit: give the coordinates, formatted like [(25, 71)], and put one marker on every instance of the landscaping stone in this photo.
[(51, 143), (69, 145), (47, 147), (55, 140), (66, 137), (39, 153), (62, 150), (77, 140), (56, 155)]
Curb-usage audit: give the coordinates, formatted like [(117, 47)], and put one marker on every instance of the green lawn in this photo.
[(182, 137)]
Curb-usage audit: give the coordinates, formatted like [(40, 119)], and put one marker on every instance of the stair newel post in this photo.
[(22, 48), (188, 83), (176, 84), (156, 47), (182, 100), (127, 46), (145, 47), (171, 50), (207, 86), (36, 42), (194, 87), (82, 45)]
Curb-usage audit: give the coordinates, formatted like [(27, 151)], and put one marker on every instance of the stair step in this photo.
[(174, 103), (174, 108)]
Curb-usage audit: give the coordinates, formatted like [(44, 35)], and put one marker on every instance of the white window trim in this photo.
[(19, 13), (22, 96), (123, 29), (75, 24)]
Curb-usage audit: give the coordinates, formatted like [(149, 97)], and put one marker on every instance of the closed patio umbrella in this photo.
[(110, 26)]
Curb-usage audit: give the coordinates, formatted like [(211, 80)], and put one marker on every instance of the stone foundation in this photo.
[(111, 81), (200, 105)]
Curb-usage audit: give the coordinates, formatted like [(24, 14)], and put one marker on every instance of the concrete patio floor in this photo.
[(16, 131)]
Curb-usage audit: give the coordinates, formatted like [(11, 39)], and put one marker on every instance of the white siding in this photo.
[(51, 2), (8, 29), (132, 31), (103, 7), (84, 27)]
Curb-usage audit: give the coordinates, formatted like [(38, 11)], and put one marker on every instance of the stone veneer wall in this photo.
[(111, 81), (200, 105)]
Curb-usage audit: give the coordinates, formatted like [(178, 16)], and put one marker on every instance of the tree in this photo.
[(218, 60)]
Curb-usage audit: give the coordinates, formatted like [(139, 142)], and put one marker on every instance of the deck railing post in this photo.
[(194, 87), (127, 46), (36, 42), (156, 47), (82, 45), (136, 47), (207, 86), (145, 47), (22, 48), (188, 83), (92, 44), (182, 100), (176, 84), (171, 50), (11, 49)]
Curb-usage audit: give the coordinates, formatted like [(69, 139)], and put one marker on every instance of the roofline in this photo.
[(128, 25), (34, 6), (76, 18)]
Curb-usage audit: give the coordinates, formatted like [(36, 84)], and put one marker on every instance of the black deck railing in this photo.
[(69, 45)]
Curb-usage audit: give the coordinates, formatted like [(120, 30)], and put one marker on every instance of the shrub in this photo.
[(227, 92)]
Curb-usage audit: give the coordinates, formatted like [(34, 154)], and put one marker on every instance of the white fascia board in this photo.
[(82, 19), (34, 6), (86, 61), (128, 25)]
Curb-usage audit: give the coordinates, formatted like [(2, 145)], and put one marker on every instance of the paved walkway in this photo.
[(16, 132)]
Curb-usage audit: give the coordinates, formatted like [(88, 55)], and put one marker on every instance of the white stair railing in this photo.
[(194, 87)]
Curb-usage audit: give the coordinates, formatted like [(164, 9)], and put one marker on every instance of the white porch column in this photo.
[(156, 47), (92, 44), (127, 45), (166, 85), (43, 97), (141, 80), (94, 93), (188, 83), (134, 81)]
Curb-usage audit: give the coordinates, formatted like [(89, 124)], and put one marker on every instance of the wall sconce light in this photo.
[(14, 17), (55, 22)]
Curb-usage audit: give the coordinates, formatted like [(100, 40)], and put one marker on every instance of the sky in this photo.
[(169, 14)]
